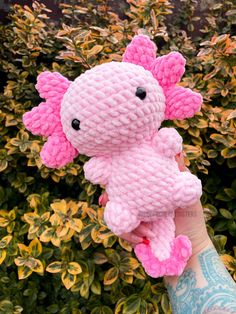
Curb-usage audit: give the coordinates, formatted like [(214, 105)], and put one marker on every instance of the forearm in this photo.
[(204, 287)]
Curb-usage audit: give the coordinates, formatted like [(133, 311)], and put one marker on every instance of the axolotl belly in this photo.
[(143, 180)]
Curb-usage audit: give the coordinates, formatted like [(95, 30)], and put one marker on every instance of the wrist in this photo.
[(198, 247)]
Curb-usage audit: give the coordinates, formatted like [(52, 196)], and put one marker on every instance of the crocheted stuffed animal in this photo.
[(112, 113)]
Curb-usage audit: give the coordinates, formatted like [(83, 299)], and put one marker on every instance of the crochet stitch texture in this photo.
[(112, 113)]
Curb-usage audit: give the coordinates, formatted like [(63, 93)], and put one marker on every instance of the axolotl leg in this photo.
[(119, 218), (187, 190)]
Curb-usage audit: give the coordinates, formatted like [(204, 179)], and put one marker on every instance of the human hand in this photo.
[(190, 221)]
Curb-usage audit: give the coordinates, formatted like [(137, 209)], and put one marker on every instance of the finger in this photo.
[(131, 238), (180, 160), (144, 231)]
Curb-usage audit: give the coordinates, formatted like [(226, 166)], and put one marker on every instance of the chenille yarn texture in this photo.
[(112, 113)]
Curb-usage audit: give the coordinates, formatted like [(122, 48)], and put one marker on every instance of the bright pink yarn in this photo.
[(130, 155)]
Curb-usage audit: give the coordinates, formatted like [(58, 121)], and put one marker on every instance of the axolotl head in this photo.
[(112, 106)]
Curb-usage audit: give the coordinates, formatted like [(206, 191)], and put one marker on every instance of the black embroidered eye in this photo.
[(75, 124), (141, 93)]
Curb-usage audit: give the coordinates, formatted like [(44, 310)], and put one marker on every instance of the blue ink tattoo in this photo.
[(217, 297)]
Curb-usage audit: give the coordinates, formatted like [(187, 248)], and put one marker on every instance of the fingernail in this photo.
[(146, 241), (103, 199)]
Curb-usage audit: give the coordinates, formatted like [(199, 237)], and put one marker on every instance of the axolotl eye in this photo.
[(75, 124), (141, 93)]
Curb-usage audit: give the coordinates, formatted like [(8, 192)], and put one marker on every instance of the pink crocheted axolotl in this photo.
[(112, 113)]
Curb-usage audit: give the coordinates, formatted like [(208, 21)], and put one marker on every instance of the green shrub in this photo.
[(56, 254)]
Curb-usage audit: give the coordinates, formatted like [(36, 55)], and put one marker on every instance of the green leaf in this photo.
[(84, 290), (223, 197), (225, 213), (132, 304), (100, 258), (231, 163), (220, 241), (96, 287), (106, 310), (230, 192), (165, 304), (6, 306), (221, 225), (102, 310)]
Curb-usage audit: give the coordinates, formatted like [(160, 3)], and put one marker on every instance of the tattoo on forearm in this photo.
[(218, 296)]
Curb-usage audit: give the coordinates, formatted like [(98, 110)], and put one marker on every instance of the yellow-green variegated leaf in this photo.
[(34, 200), (94, 51), (32, 230), (73, 207), (68, 279), (125, 245), (127, 278), (111, 276), (20, 261), (132, 262), (68, 236), (74, 268), (56, 220), (24, 272), (12, 214), (55, 240), (62, 231), (45, 216), (37, 266), (3, 222), (11, 227), (3, 255), (24, 250), (47, 235), (229, 261), (54, 267), (5, 241), (192, 151), (75, 224), (35, 248), (59, 207), (30, 217)]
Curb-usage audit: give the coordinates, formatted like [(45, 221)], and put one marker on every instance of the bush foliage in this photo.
[(56, 253)]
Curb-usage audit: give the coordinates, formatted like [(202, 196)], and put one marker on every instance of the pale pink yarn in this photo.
[(119, 130)]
